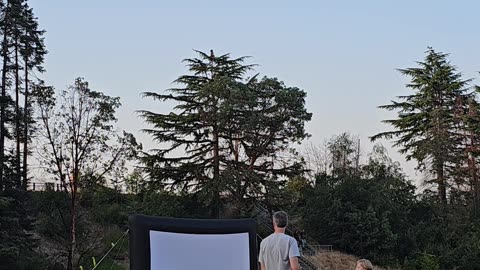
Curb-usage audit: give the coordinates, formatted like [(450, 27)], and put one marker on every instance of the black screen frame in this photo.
[(141, 225)]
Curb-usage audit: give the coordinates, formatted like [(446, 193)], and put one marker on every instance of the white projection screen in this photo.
[(159, 243)]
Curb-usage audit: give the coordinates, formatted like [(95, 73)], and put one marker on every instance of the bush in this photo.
[(17, 245)]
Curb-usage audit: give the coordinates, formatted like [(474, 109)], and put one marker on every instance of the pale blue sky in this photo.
[(343, 53)]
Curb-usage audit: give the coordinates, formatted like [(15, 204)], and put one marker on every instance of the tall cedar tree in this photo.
[(196, 126), (231, 131), (425, 129)]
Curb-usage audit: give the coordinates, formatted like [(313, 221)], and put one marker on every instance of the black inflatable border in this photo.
[(141, 225)]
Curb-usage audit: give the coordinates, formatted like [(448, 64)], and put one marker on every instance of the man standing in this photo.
[(303, 238), (279, 251)]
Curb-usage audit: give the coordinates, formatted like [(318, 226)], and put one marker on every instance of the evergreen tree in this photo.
[(17, 244), (425, 128), (195, 128), (17, 22), (9, 26), (467, 173), (22, 49), (19, 12), (33, 52), (265, 118), (365, 214), (234, 132)]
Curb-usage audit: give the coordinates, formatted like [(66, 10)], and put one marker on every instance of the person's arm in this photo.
[(260, 257), (293, 254), (293, 263)]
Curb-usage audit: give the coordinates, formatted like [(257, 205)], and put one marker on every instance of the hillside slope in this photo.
[(336, 261)]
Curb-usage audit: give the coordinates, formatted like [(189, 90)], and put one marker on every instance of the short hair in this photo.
[(366, 264), (280, 218)]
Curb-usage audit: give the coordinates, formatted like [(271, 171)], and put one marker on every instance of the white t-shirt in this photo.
[(276, 251)]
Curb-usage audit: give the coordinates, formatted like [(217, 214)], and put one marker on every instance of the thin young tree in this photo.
[(80, 144)]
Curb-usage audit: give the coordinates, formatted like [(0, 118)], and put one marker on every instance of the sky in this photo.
[(344, 54)]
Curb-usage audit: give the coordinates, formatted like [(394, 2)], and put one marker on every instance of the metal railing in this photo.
[(45, 186), (307, 264), (291, 229), (315, 249)]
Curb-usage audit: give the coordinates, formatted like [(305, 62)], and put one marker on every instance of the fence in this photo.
[(312, 250), (47, 186)]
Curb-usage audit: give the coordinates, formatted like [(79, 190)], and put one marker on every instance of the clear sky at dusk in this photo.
[(343, 53)]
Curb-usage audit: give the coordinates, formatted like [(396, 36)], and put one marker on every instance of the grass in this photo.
[(336, 261)]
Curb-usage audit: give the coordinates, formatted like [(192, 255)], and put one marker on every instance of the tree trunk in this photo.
[(476, 195), (17, 119), (73, 231), (3, 99), (73, 242), (25, 127), (215, 211), (473, 182), (472, 166), (442, 188), (69, 261), (357, 158)]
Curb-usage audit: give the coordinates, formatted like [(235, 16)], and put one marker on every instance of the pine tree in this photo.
[(17, 17), (425, 128), (22, 49), (33, 52), (9, 31)]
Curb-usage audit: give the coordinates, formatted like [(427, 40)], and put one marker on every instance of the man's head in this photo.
[(280, 219)]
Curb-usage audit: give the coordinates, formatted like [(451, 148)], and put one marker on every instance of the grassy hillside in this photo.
[(337, 261)]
